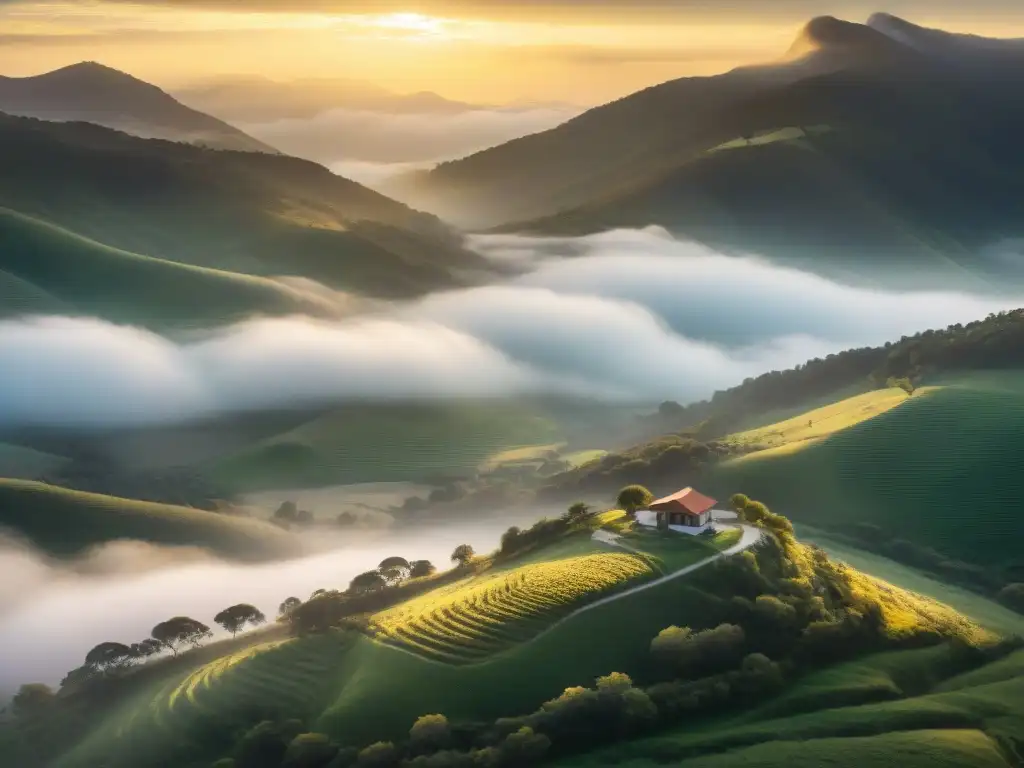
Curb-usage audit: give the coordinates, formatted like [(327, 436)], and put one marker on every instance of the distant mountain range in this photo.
[(167, 223), (251, 99), (94, 93), (868, 146)]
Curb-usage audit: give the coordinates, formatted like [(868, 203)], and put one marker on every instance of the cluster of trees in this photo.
[(544, 531), (669, 458), (756, 513), (290, 517), (992, 343), (112, 658)]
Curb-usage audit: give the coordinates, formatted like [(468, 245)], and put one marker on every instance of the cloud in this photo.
[(344, 135), (628, 315), (120, 591)]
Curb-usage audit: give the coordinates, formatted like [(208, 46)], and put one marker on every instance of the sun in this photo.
[(411, 22)]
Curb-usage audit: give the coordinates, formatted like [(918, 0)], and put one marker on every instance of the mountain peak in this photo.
[(829, 34)]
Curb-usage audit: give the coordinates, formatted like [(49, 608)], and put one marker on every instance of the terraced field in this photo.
[(944, 469), (472, 620), (280, 678)]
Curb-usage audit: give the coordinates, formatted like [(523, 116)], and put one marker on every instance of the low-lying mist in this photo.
[(52, 613), (372, 146), (628, 315)]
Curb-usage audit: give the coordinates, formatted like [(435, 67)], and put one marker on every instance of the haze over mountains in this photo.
[(868, 147), (363, 131), (91, 92)]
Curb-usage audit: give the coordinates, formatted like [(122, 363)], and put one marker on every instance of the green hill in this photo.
[(943, 469), (386, 443), (240, 212), (908, 706), (359, 690), (63, 522), (49, 269)]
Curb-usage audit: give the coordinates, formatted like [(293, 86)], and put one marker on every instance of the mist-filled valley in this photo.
[(633, 316)]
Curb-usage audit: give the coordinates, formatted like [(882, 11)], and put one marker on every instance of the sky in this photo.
[(487, 51)]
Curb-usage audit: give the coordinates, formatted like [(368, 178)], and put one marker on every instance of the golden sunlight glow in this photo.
[(412, 21)]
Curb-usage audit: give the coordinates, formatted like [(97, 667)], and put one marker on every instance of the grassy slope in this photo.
[(250, 213), (511, 604), (364, 690), (18, 461), (65, 522), (943, 469), (384, 444), (985, 612), (86, 277), (864, 712)]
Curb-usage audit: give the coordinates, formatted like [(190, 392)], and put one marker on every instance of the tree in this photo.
[(463, 554), (524, 747), (289, 605), (32, 700), (382, 754), (394, 569), (109, 656), (420, 568), (179, 631), (430, 732), (903, 383), (310, 750), (633, 497), (370, 581), (738, 502), (577, 513), (510, 540), (146, 648), (236, 617), (704, 653)]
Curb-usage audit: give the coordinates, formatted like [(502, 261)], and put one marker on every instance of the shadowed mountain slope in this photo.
[(94, 93)]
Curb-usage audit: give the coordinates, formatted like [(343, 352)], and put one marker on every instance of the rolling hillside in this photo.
[(908, 703), (862, 166), (248, 213), (90, 92), (64, 522), (48, 269), (358, 690), (386, 443), (942, 470)]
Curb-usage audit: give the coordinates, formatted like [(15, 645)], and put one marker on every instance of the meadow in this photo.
[(943, 469), (63, 522)]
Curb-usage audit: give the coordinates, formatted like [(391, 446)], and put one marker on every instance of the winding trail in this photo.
[(750, 536)]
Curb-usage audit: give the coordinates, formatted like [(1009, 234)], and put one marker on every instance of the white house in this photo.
[(685, 511)]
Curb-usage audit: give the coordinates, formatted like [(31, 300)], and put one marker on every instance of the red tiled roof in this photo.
[(693, 502)]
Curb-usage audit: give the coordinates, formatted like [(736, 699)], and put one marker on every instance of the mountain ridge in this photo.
[(93, 92)]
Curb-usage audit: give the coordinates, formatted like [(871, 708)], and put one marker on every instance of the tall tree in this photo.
[(109, 656), (238, 616), (288, 605), (394, 569), (578, 512), (463, 554), (634, 497), (370, 581), (180, 631), (32, 700), (421, 568)]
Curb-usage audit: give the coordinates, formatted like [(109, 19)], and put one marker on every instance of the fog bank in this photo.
[(629, 315), (52, 613)]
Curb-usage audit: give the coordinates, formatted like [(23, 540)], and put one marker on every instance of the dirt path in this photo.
[(750, 537)]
